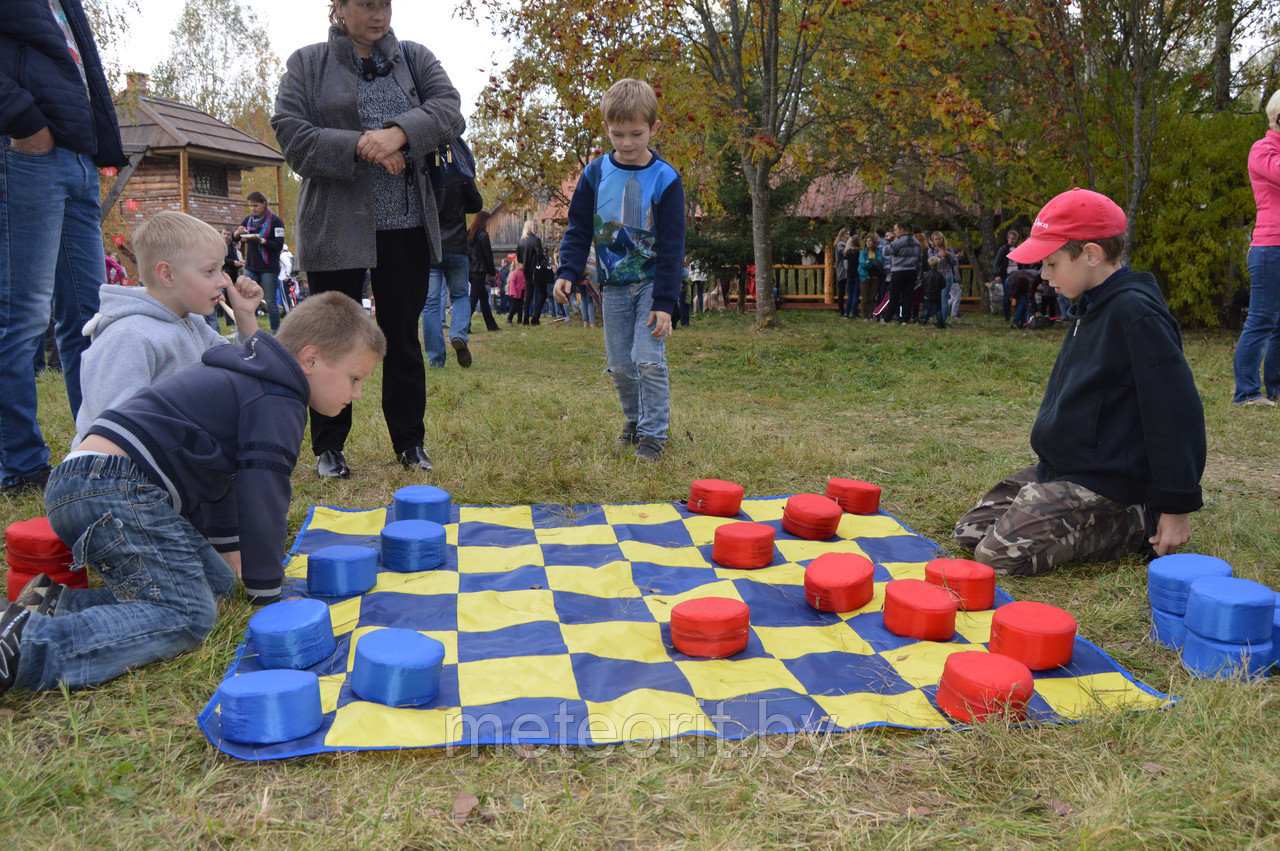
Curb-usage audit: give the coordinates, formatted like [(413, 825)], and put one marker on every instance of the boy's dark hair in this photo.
[(334, 323), (880, 232), (1112, 247), (255, 195)]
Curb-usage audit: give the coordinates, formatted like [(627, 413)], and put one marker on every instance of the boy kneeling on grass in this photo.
[(1120, 434), (223, 437)]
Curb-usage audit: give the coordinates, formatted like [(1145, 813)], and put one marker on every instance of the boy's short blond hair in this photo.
[(934, 262), (167, 237), (629, 100), (335, 324)]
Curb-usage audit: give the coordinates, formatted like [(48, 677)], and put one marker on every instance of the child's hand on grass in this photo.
[(660, 322)]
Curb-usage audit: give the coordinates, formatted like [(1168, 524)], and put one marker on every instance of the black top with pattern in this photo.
[(396, 203)]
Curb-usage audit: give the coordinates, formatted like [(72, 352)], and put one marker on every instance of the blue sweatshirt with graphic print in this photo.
[(635, 217)]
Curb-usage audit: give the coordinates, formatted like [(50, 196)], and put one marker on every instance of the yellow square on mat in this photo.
[(875, 604), (498, 559), (869, 526), (975, 626), (330, 690), (808, 550), (764, 510), (656, 512), (646, 714), (904, 569), (515, 516), (360, 523), (636, 641), (1095, 694), (909, 709), (778, 574), (418, 582), (345, 615), (485, 611), (921, 663), (495, 680), (702, 528), (609, 581), (719, 679), (448, 639), (792, 642), (361, 724), (296, 566), (658, 554), (576, 535), (662, 604)]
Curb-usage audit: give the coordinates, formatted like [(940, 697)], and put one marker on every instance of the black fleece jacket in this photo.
[(1121, 414)]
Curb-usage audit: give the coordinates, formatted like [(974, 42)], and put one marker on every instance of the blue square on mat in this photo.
[(434, 612), (587, 555), (664, 579), (898, 548), (477, 534), (533, 720), (601, 680), (575, 608), (520, 578), (846, 673), (671, 534), (540, 638), (780, 605), (555, 516), (773, 711)]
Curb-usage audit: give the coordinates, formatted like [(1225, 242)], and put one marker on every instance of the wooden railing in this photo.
[(812, 287)]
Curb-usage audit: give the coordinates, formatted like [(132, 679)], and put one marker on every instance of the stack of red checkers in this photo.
[(839, 582), (743, 545), (915, 609), (715, 497), (973, 584), (712, 627), (1038, 635), (812, 516), (976, 686), (854, 496), (31, 548)]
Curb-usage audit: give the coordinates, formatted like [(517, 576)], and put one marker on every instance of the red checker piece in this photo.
[(915, 609), (1038, 635), (812, 516), (743, 545), (839, 582), (711, 627), (973, 583), (32, 548), (715, 497), (976, 686), (854, 496)]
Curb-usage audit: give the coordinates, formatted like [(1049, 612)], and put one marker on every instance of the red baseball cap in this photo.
[(1073, 215)]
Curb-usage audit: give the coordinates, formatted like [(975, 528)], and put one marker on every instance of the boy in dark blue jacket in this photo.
[(1120, 434), (222, 436), (630, 204)]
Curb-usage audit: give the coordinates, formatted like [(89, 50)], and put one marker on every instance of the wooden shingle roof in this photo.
[(167, 126)]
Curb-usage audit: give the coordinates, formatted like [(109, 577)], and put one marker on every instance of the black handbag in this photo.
[(452, 162)]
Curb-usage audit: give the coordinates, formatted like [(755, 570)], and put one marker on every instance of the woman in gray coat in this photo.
[(354, 126)]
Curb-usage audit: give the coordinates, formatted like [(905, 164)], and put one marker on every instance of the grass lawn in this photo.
[(934, 417)]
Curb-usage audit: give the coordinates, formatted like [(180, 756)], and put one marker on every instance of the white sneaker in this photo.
[(1263, 401)]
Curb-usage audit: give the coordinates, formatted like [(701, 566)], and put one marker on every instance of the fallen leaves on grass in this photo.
[(463, 804)]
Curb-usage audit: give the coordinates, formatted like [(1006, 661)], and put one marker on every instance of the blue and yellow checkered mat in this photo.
[(555, 621)]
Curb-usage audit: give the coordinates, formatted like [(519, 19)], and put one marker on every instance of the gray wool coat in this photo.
[(318, 124)]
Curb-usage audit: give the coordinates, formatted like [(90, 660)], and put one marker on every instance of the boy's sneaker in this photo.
[(649, 449), (40, 595), (1260, 400), (11, 623), (626, 440)]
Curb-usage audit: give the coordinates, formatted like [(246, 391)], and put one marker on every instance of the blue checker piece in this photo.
[(898, 548), (660, 579), (447, 696), (670, 534), (843, 673), (601, 680), (517, 579), (773, 711), (780, 605), (591, 555), (533, 720), (474, 533), (540, 638), (574, 608), (424, 612), (556, 516)]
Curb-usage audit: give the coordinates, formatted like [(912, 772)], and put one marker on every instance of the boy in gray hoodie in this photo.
[(143, 334)]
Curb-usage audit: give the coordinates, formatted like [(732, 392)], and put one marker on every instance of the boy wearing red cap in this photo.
[(1120, 435)]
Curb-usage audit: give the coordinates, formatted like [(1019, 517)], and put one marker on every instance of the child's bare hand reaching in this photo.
[(244, 296)]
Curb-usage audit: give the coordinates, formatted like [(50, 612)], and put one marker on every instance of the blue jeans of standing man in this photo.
[(50, 254), (270, 283), (1259, 344), (451, 273), (162, 579), (637, 362)]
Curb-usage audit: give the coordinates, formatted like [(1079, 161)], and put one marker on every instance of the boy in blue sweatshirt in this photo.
[(630, 204), (223, 437), (1120, 435)]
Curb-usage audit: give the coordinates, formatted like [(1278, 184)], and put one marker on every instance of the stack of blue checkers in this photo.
[(1228, 628), (1169, 581), (412, 545)]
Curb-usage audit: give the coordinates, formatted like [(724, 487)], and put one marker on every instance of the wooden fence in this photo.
[(813, 287)]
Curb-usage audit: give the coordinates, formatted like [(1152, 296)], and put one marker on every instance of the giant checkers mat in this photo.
[(555, 621)]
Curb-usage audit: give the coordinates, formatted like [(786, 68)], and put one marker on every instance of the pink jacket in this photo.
[(1264, 175), (515, 283)]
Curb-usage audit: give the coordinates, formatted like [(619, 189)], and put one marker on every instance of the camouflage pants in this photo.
[(1024, 526)]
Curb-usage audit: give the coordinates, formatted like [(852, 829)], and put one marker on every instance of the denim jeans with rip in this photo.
[(637, 361)]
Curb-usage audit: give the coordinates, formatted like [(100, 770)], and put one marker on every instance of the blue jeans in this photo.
[(162, 578), (586, 306), (452, 272), (934, 308), (50, 253), (270, 283), (637, 362), (1023, 313), (1259, 344)]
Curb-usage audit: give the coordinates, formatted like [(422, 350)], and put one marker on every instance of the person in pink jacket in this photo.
[(1259, 344)]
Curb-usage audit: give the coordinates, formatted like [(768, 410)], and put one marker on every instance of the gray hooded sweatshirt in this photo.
[(135, 341)]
